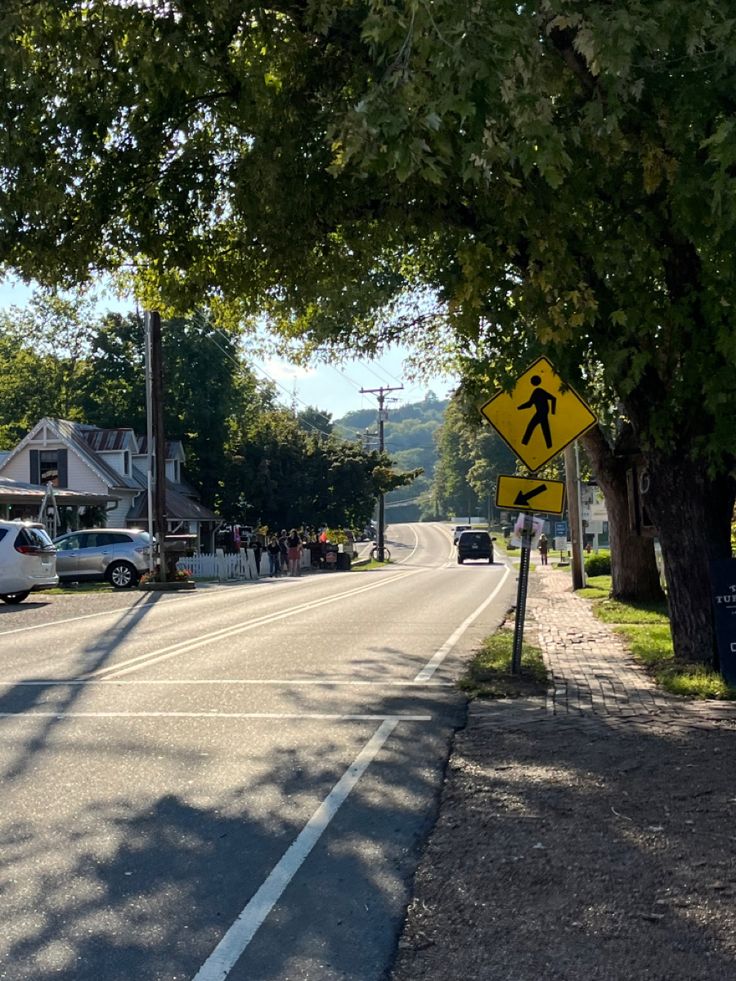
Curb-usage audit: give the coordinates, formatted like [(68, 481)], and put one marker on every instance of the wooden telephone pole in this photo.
[(156, 426), (380, 394), (572, 478)]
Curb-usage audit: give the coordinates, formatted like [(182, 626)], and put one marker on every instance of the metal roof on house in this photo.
[(75, 433), (173, 451), (102, 440), (178, 508), (18, 492)]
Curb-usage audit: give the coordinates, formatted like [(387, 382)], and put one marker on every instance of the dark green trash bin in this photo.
[(343, 562)]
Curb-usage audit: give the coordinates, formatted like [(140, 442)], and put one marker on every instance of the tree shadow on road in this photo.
[(55, 699), (145, 885)]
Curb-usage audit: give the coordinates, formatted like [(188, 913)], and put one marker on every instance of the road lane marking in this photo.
[(155, 601), (114, 682), (230, 949), (216, 714), (183, 647), (436, 660), (416, 546)]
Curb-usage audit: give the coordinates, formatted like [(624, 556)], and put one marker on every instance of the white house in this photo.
[(109, 467), (594, 515)]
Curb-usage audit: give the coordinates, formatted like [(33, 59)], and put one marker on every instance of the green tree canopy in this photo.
[(560, 173), (470, 458)]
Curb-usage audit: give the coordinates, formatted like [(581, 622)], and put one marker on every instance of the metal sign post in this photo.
[(538, 418), (526, 547)]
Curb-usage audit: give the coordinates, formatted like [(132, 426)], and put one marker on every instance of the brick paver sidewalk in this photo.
[(592, 673), (588, 663)]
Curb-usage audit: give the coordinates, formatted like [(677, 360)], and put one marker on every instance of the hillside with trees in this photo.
[(410, 441)]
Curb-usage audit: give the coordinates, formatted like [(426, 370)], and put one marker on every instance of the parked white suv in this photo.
[(119, 555), (27, 560)]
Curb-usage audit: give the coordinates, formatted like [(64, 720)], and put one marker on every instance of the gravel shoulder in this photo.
[(571, 849)]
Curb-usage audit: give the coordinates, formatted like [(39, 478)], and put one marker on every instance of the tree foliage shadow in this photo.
[(22, 698), (146, 889), (584, 850)]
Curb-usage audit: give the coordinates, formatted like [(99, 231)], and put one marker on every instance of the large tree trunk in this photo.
[(634, 573), (692, 513)]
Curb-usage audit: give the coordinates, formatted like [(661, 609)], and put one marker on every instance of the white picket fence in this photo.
[(242, 565)]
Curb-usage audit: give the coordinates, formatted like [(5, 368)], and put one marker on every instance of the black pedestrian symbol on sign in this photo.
[(543, 403)]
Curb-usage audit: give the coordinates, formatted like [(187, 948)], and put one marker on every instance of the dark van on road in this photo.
[(475, 545)]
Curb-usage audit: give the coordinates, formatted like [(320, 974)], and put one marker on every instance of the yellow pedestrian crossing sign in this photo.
[(540, 416), (530, 494)]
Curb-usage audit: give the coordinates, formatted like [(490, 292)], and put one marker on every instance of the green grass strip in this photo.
[(645, 629), (614, 611), (489, 673), (372, 564)]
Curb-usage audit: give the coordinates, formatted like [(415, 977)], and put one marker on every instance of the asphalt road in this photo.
[(233, 783)]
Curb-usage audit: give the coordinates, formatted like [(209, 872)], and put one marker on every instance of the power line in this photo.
[(242, 368), (345, 375)]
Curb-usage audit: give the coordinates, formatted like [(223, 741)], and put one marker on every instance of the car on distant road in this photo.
[(27, 560), (475, 545), (116, 555), (457, 532)]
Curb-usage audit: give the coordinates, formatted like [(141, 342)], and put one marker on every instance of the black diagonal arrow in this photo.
[(522, 500)]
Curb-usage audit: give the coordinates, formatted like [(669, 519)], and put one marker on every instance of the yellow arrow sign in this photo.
[(530, 494), (540, 416)]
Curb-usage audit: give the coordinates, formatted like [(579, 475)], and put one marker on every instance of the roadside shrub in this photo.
[(598, 565)]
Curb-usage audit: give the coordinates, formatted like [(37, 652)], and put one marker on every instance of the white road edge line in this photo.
[(214, 714), (229, 950), (416, 546), (436, 660), (111, 682)]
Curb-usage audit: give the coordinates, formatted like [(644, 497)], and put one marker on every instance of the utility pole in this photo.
[(572, 479), (380, 394), (365, 438), (149, 439), (159, 439)]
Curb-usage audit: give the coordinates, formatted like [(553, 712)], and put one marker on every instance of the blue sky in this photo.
[(335, 389)]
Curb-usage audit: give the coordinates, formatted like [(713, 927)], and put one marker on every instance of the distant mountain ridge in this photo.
[(409, 434)]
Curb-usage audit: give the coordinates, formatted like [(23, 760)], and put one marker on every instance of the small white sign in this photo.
[(529, 525), (561, 544), (593, 504)]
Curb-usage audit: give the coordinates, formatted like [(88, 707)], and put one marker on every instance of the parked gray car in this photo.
[(118, 555)]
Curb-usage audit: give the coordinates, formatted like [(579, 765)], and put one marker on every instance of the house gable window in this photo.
[(49, 467)]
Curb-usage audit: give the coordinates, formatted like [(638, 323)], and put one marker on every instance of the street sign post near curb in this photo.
[(523, 586), (538, 419)]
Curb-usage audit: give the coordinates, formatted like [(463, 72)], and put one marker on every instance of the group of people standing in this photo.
[(285, 553), (285, 549)]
